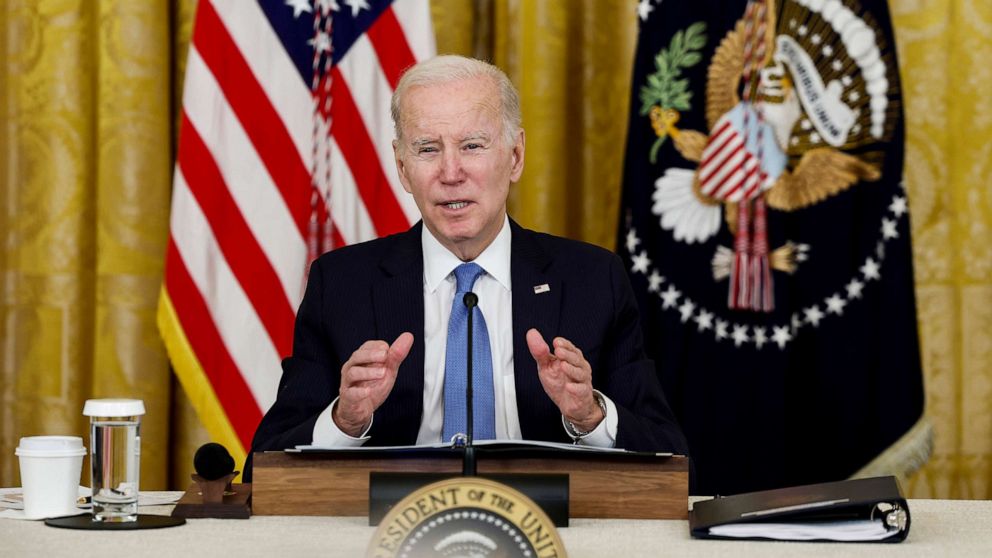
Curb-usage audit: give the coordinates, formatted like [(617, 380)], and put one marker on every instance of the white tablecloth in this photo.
[(955, 528)]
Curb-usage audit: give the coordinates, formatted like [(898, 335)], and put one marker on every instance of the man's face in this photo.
[(453, 159)]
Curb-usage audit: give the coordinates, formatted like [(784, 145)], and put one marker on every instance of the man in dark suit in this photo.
[(377, 356)]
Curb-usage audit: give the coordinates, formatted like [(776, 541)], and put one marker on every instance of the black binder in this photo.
[(833, 511)]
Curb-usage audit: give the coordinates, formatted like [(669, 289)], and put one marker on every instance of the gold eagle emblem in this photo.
[(828, 129)]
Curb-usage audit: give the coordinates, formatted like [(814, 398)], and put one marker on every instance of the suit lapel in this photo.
[(398, 300), (536, 304)]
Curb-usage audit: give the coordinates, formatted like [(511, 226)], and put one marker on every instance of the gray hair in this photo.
[(448, 68)]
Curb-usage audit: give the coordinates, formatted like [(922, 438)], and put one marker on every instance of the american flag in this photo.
[(284, 152)]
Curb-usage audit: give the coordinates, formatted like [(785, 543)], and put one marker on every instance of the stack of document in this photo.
[(861, 510), (845, 531), (481, 444)]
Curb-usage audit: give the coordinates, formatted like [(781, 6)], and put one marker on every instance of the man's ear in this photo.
[(517, 161), (400, 166)]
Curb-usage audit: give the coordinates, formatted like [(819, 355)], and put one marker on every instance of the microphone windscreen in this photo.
[(212, 461), (470, 299)]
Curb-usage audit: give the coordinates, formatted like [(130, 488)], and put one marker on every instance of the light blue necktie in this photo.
[(455, 361)]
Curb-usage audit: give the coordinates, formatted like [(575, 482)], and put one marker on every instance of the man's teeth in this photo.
[(456, 205)]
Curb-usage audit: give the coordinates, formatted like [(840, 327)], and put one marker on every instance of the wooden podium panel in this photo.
[(615, 486)]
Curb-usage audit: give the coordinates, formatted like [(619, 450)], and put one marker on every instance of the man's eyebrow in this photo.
[(417, 142), (480, 135)]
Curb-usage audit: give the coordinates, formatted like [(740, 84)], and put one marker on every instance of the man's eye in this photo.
[(472, 146), (427, 150)]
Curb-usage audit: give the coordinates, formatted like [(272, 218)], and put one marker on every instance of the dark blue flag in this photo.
[(766, 231)]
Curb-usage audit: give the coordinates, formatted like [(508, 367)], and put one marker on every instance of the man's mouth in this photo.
[(455, 204)]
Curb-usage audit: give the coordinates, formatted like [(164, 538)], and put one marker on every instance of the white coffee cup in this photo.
[(50, 469)]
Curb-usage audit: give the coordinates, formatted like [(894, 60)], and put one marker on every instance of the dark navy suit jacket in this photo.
[(375, 290)]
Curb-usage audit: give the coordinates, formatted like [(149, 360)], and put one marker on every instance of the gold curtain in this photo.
[(88, 104), (945, 48), (90, 93), (571, 61)]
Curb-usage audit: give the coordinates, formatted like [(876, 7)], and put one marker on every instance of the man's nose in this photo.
[(451, 167)]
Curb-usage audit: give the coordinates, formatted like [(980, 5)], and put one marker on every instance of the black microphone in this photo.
[(471, 300), (212, 461)]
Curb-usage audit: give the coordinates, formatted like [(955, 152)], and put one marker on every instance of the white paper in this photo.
[(851, 530), (12, 501), (479, 444)]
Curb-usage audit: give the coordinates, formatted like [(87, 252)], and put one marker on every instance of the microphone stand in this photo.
[(468, 463), (549, 490)]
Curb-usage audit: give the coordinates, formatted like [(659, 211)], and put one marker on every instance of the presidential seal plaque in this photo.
[(466, 516)]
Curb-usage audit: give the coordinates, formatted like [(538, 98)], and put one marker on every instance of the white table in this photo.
[(955, 528)]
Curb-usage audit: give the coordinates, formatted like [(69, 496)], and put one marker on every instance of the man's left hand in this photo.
[(567, 379)]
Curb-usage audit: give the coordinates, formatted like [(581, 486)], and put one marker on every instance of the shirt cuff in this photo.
[(605, 433), (326, 433)]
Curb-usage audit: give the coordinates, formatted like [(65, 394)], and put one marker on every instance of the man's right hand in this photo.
[(366, 380)]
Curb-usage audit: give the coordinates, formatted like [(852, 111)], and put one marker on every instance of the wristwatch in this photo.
[(574, 430)]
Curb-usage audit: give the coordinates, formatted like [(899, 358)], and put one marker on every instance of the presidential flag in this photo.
[(765, 228), (284, 153)]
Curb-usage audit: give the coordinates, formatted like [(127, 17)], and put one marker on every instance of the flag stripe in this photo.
[(352, 222), (732, 159), (728, 142), (273, 69), (261, 122), (236, 320), (390, 47), (252, 148), (349, 213), (753, 181), (373, 107), (242, 252), (235, 396), (716, 147), (359, 152), (246, 178), (414, 16), (739, 178), (194, 381)]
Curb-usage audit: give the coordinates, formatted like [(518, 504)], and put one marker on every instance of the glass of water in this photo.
[(115, 457)]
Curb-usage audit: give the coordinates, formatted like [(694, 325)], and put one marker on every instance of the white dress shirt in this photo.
[(495, 301)]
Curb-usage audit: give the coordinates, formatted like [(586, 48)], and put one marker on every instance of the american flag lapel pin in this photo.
[(543, 288)]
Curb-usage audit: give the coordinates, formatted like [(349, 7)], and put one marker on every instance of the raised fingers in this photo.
[(562, 344), (371, 352), (575, 365), (358, 374)]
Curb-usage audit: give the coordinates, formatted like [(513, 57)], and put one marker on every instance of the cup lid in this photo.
[(113, 407), (50, 445)]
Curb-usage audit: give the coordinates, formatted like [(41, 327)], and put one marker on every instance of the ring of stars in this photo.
[(710, 322), (410, 548)]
